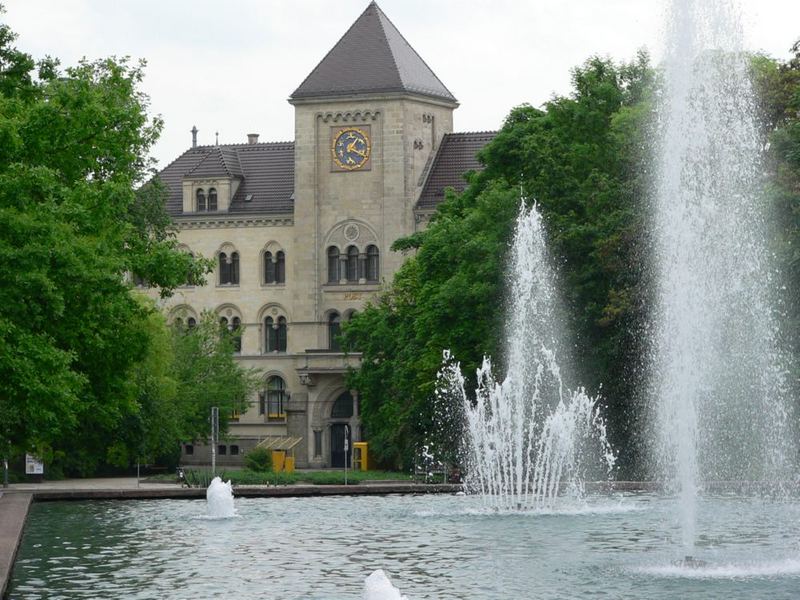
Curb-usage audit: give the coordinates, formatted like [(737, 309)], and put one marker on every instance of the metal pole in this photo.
[(214, 437), (137, 472), (5, 472), (346, 450)]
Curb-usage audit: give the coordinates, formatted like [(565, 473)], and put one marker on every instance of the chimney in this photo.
[(194, 136), (252, 138)]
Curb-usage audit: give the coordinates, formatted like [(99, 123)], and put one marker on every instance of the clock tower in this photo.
[(368, 119)]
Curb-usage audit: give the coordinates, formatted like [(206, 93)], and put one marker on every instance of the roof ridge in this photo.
[(242, 145), (328, 53), (482, 132), (205, 158), (380, 14), (230, 168), (176, 159), (394, 58)]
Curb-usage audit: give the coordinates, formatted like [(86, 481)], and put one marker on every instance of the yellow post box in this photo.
[(278, 460), (360, 459)]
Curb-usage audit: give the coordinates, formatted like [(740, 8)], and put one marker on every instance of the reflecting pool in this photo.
[(443, 547)]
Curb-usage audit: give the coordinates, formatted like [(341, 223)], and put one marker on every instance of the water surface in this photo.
[(441, 547)]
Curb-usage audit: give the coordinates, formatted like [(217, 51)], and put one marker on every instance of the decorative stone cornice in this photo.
[(226, 221), (361, 116)]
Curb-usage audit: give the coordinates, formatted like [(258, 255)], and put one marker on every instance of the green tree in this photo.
[(578, 157), (73, 150), (777, 85), (206, 374)]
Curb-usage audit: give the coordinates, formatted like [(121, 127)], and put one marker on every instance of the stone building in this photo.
[(301, 231)]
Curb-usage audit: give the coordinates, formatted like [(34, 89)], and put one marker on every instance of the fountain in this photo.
[(219, 499), (529, 436), (723, 410), (379, 587)]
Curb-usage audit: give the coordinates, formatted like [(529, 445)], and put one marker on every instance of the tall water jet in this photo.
[(723, 410), (529, 436)]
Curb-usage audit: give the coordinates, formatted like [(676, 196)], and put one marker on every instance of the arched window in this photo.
[(235, 268), (352, 264), (212, 199), (333, 264), (229, 269), (224, 268), (373, 270), (282, 334), (269, 268), (236, 329), (343, 407), (280, 267), (275, 334), (191, 322), (276, 397), (334, 331), (201, 200), (270, 335)]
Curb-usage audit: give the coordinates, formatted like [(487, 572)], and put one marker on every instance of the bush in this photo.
[(258, 459), (201, 478)]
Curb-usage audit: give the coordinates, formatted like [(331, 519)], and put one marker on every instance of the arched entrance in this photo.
[(341, 431)]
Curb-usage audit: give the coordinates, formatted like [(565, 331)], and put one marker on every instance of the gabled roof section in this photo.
[(455, 157), (372, 57), (220, 162), (266, 172)]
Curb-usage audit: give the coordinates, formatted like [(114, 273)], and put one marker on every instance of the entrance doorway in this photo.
[(339, 433)]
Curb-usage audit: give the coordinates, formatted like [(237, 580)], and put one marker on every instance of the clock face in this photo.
[(351, 148)]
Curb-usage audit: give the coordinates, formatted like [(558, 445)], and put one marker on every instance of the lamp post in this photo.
[(346, 449)]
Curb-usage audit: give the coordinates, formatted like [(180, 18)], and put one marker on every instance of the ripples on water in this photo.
[(436, 547)]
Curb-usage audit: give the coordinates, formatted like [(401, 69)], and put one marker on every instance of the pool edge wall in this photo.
[(13, 514)]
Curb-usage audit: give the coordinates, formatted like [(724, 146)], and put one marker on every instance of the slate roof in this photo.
[(372, 57), (222, 161), (266, 172), (455, 156)]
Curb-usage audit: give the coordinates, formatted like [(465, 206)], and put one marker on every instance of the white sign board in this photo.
[(33, 466)]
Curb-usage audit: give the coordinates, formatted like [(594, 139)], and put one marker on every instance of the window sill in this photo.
[(227, 285), (351, 287), (272, 286)]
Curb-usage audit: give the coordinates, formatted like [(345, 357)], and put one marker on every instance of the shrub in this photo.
[(258, 459)]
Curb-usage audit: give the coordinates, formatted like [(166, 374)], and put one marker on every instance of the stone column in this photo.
[(362, 267), (342, 268)]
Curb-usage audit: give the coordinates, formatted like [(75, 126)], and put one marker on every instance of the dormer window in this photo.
[(212, 200), (201, 200)]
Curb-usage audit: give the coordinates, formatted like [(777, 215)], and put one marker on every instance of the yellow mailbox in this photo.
[(278, 460), (360, 461)]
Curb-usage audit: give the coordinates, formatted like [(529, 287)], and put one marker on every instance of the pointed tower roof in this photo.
[(372, 57)]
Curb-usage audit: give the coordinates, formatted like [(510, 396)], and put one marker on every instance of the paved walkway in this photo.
[(104, 483), (13, 512)]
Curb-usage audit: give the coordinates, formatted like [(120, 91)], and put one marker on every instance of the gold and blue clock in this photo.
[(351, 148)]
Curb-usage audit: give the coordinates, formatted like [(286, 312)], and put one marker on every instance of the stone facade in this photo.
[(363, 208)]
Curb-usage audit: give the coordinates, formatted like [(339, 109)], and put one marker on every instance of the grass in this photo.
[(201, 477)]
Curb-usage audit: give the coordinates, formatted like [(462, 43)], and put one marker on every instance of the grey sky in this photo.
[(229, 66)]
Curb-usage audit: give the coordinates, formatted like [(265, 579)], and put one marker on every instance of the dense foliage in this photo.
[(258, 459), (583, 159), (83, 372)]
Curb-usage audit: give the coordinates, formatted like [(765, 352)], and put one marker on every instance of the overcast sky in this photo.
[(229, 66)]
